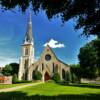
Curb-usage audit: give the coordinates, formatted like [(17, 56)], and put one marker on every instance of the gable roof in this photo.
[(48, 47)]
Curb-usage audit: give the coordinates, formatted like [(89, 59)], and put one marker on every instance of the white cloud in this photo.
[(54, 44), (8, 56)]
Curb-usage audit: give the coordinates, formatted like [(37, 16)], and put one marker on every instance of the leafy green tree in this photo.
[(96, 44), (14, 78), (7, 70), (74, 78), (11, 69), (15, 68), (88, 55), (89, 58), (86, 13), (77, 71)]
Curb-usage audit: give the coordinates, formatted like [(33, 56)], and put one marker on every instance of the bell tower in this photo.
[(27, 52)]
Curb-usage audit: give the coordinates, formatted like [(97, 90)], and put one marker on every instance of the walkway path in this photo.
[(19, 87)]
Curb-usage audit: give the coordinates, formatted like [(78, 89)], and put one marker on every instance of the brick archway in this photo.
[(46, 76)]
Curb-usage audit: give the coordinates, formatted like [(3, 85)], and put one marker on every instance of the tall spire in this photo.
[(30, 18), (28, 36)]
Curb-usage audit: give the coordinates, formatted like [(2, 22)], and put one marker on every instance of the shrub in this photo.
[(56, 78), (14, 78), (23, 81), (68, 78), (50, 81), (37, 75)]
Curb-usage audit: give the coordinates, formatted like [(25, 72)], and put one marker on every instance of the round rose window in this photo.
[(47, 57)]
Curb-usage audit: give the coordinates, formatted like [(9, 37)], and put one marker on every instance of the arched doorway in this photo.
[(46, 76)]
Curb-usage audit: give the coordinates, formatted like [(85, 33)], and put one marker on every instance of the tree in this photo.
[(15, 68), (86, 13), (11, 69), (14, 78), (74, 78), (96, 44), (89, 58), (7, 70), (88, 55), (76, 71)]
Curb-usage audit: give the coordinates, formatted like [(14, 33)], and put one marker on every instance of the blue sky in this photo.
[(13, 28)]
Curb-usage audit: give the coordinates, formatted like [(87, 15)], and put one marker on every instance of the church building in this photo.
[(47, 65)]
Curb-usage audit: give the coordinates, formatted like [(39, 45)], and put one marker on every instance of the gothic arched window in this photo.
[(53, 69), (42, 66), (63, 74), (26, 51), (26, 63)]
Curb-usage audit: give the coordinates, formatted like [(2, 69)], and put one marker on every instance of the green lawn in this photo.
[(49, 89), (3, 86), (52, 91)]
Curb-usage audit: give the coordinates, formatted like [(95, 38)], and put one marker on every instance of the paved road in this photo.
[(19, 87)]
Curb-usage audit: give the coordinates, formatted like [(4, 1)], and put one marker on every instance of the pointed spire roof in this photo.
[(28, 36)]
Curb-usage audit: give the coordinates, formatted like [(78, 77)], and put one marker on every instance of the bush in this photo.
[(56, 78), (50, 81), (16, 81), (37, 75), (68, 78), (14, 78), (23, 81)]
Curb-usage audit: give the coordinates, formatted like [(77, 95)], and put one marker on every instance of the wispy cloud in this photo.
[(7, 60), (7, 57), (4, 41), (54, 44)]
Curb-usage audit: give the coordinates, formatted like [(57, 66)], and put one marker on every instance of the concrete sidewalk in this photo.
[(19, 87)]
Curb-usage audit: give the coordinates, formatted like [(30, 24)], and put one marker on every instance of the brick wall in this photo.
[(5, 79)]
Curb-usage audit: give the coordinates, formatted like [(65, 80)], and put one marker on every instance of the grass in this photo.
[(3, 86), (52, 91), (49, 89)]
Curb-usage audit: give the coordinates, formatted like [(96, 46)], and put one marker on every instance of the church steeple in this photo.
[(28, 36), (27, 54)]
